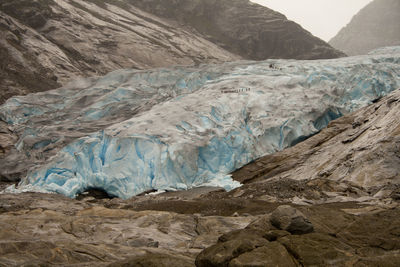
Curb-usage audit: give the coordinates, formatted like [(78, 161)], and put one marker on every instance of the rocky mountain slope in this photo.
[(244, 28), (376, 25), (46, 43)]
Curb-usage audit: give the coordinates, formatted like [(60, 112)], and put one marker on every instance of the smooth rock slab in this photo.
[(318, 249)]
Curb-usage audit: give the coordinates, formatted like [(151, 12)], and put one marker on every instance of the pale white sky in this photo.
[(323, 18)]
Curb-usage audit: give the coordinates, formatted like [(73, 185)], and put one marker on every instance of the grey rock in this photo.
[(290, 219), (143, 242), (376, 25)]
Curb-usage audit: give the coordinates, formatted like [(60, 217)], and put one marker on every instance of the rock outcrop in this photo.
[(43, 229), (376, 25), (48, 229), (322, 248), (291, 220)]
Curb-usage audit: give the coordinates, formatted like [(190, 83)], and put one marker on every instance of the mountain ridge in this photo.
[(376, 25), (245, 28)]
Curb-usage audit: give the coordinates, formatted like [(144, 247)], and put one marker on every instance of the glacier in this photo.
[(176, 128)]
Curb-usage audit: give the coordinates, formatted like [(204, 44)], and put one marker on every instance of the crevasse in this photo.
[(177, 128)]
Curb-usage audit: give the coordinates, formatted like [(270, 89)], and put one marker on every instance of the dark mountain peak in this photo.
[(244, 28)]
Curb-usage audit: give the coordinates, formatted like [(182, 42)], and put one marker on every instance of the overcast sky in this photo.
[(323, 18)]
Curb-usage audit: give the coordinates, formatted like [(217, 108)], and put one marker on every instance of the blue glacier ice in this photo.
[(177, 128)]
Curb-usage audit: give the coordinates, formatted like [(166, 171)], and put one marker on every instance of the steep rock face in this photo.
[(376, 25), (28, 62), (48, 42), (244, 28)]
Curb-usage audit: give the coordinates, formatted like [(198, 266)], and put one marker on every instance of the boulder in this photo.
[(272, 254), (290, 219), (263, 224)]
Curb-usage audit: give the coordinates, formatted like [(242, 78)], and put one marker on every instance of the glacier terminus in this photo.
[(176, 128)]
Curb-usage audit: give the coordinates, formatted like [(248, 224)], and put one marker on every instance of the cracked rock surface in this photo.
[(48, 229)]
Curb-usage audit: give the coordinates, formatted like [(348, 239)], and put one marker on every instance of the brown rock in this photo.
[(318, 249), (379, 230), (241, 234), (390, 259), (273, 235), (221, 254), (290, 219), (262, 224), (272, 254), (154, 260)]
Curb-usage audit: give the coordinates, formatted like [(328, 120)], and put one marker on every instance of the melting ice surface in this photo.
[(166, 129)]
